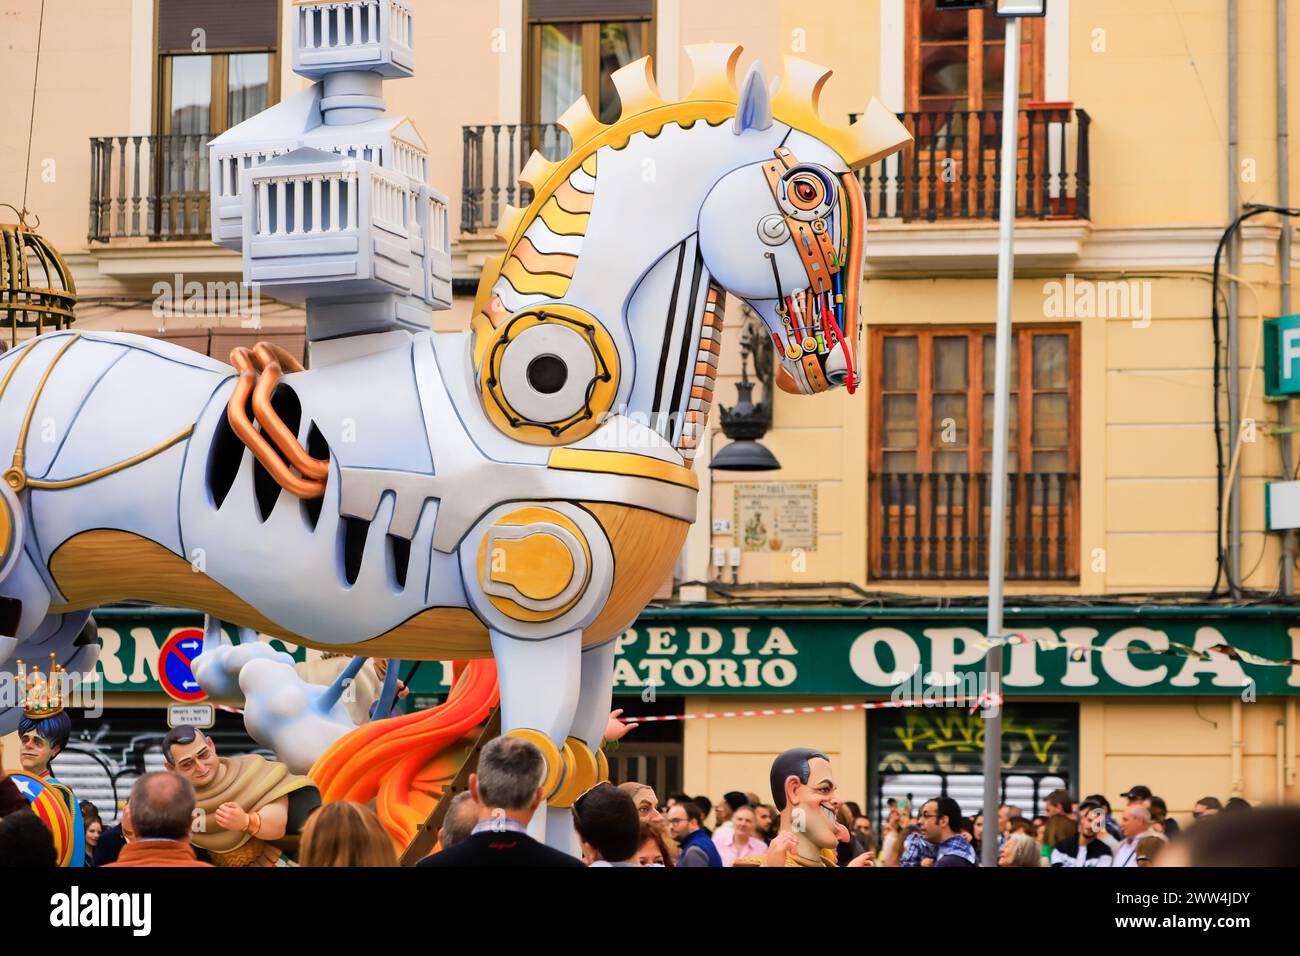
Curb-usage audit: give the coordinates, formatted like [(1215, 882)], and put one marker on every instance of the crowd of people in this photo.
[(625, 825)]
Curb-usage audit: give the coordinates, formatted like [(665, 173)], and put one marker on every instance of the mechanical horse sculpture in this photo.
[(516, 491)]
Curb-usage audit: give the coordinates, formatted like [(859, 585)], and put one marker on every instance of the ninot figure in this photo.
[(43, 732), (805, 794), (248, 810)]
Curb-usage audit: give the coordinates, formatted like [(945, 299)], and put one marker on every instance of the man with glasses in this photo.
[(941, 829), (248, 809), (685, 825)]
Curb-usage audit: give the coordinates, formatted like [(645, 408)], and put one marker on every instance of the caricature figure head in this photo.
[(804, 791)]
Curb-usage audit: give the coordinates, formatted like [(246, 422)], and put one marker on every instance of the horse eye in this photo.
[(806, 194)]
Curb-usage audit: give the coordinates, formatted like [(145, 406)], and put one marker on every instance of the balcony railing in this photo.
[(493, 156), (149, 187), (935, 526), (952, 170)]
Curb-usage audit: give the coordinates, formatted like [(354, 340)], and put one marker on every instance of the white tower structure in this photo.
[(325, 193)]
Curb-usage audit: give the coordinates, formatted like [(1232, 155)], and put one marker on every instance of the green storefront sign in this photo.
[(1065, 652), (1282, 355)]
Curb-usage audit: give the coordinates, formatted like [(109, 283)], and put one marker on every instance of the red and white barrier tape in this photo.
[(973, 702)]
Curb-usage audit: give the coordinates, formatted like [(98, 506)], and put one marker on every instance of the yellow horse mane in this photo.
[(713, 98)]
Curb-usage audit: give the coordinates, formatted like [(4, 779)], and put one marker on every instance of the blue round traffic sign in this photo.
[(175, 671)]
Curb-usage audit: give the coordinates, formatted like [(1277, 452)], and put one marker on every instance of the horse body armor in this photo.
[(390, 540)]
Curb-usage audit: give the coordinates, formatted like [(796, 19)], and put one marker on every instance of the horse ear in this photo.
[(754, 110)]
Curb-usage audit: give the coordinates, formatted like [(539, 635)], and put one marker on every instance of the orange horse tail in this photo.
[(404, 763)]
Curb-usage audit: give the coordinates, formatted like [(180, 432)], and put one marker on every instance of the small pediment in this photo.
[(404, 129), (285, 122)]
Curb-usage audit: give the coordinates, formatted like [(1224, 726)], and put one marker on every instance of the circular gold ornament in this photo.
[(549, 375)]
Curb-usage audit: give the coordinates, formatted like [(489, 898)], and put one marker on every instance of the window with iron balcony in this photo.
[(155, 187), (931, 453), (953, 74)]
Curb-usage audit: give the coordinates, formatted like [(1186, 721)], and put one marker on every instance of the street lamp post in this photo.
[(1012, 10)]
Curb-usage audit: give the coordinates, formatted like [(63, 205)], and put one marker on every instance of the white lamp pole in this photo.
[(1001, 396)]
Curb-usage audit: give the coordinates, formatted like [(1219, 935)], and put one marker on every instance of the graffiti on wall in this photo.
[(952, 741)]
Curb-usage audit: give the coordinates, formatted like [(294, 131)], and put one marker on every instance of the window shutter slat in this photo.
[(231, 24), (589, 9)]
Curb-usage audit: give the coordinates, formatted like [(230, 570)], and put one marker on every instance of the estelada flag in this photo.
[(49, 804)]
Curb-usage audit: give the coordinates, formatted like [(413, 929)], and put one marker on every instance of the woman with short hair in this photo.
[(1020, 849)]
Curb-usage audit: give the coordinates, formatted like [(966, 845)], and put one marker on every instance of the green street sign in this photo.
[(1282, 355)]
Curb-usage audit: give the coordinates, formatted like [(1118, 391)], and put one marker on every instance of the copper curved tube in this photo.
[(271, 357), (853, 278), (268, 352), (302, 487)]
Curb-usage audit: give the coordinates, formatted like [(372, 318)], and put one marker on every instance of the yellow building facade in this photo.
[(1124, 173)]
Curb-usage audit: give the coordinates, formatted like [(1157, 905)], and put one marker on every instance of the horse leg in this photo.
[(595, 695), (540, 682)]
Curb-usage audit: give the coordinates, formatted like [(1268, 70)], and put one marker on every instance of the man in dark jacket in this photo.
[(686, 825), (941, 826), (111, 844), (508, 791), (1092, 845)]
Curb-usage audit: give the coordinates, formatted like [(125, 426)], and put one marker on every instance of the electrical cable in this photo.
[(31, 128), (1245, 403), (1222, 571)]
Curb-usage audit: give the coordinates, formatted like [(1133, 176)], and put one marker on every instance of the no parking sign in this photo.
[(175, 670)]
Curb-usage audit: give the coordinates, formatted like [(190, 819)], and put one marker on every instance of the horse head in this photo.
[(610, 293), (786, 232)]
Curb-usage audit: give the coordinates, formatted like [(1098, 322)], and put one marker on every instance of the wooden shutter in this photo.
[(539, 10), (229, 25)]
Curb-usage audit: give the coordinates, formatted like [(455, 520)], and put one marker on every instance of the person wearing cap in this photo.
[(1138, 794), (1141, 796)]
